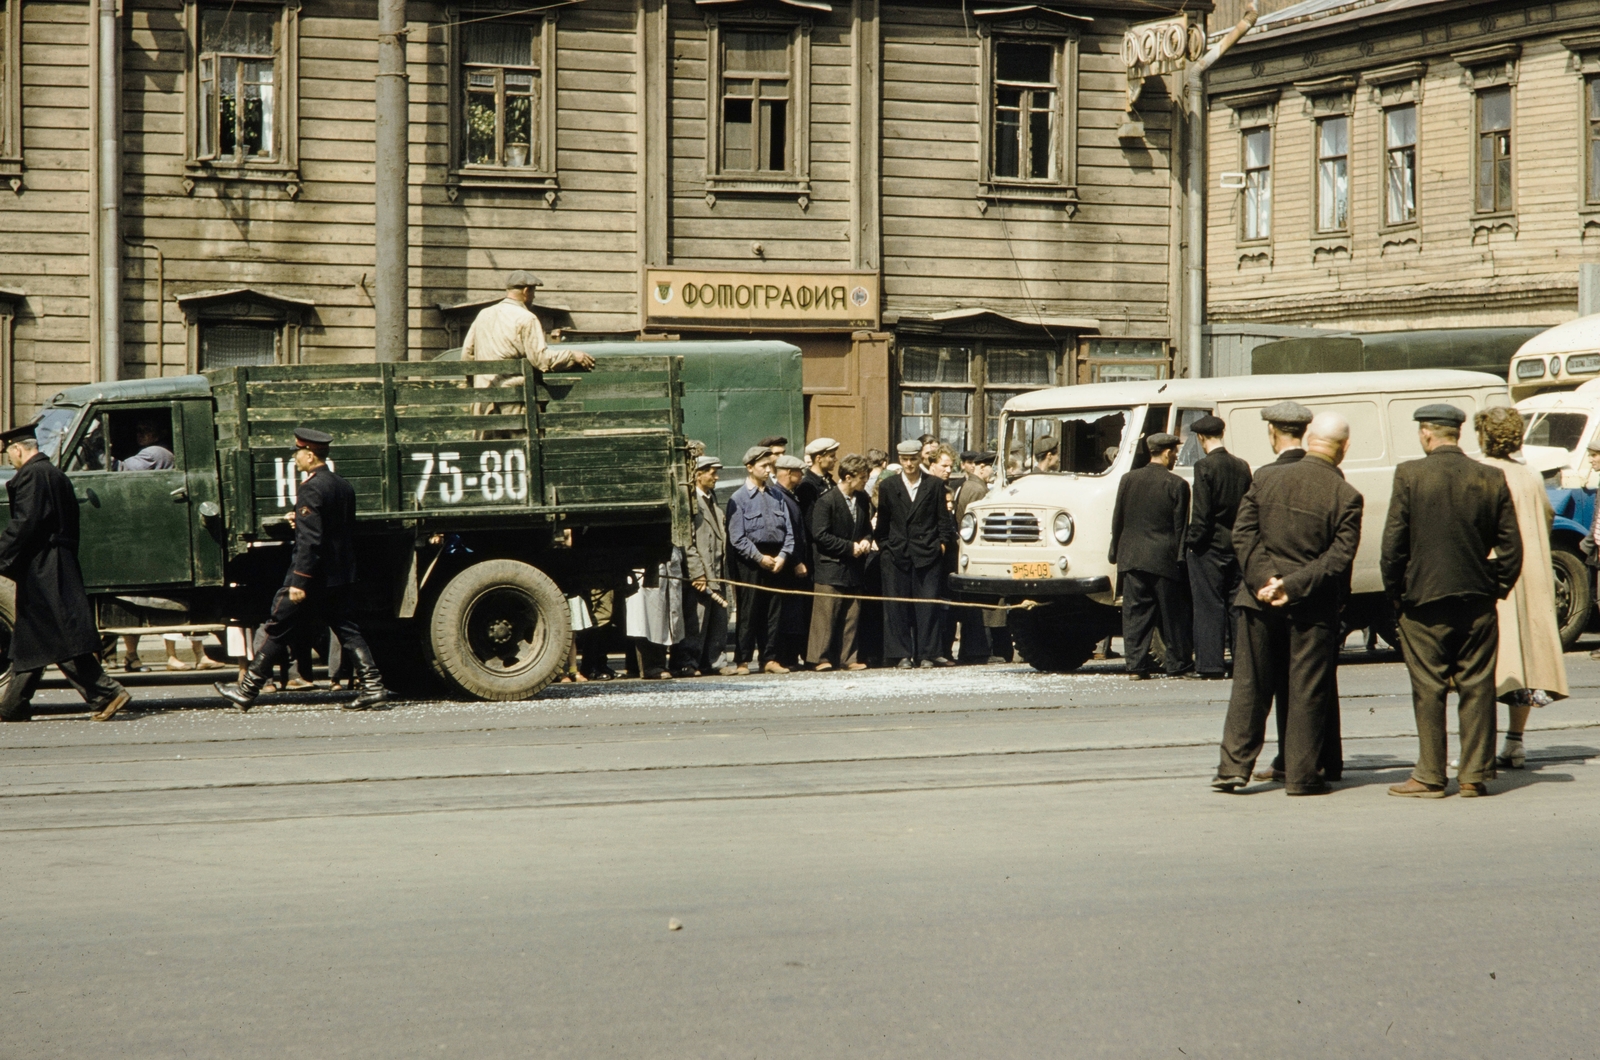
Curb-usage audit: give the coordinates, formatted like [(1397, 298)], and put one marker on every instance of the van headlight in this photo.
[(1063, 528), (969, 527)]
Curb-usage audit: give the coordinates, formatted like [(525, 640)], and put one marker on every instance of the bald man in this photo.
[(1296, 536)]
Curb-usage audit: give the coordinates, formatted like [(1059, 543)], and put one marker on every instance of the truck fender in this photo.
[(1564, 525)]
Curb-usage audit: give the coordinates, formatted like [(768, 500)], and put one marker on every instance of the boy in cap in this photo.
[(1451, 550), (762, 541), (1220, 483), (1147, 531), (54, 622), (1047, 454), (318, 588), (914, 532)]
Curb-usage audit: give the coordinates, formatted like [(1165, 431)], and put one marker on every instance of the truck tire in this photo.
[(500, 630), (1051, 639), (1574, 587)]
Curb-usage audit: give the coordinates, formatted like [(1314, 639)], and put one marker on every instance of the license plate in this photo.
[(1030, 570)]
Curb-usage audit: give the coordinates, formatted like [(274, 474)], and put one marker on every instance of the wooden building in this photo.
[(930, 198), (1397, 164)]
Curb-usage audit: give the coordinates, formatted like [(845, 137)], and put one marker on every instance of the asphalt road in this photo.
[(975, 863)]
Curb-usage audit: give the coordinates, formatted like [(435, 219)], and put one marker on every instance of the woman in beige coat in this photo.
[(1530, 670)]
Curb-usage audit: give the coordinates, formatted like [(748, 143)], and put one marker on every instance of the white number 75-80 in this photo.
[(449, 492)]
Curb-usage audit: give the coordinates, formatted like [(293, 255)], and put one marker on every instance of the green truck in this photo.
[(479, 512)]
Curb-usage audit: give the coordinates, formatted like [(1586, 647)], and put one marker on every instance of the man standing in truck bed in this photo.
[(320, 581), (510, 331)]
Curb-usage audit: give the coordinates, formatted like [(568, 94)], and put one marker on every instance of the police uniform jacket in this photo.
[(910, 532), (1147, 525), (39, 551), (1447, 513), (708, 550), (1220, 482), (834, 533), (1302, 523), (324, 533)]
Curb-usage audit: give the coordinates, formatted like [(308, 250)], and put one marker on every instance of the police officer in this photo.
[(1296, 537), (1447, 514), (1220, 483), (54, 622), (321, 579), (1147, 530)]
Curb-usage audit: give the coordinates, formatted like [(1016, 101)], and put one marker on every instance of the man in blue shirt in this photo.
[(761, 542)]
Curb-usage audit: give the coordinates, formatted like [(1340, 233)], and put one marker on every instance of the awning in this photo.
[(222, 296), (914, 320), (809, 5)]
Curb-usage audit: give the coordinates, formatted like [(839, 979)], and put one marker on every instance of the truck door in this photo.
[(127, 471)]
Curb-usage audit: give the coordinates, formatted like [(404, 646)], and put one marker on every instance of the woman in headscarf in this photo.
[(1530, 670)]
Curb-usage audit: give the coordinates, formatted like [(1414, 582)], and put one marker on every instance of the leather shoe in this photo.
[(1228, 784), (1196, 675), (774, 667), (1469, 790), (905, 664), (941, 661), (1138, 675), (856, 666), (822, 667), (1416, 789), (116, 704)]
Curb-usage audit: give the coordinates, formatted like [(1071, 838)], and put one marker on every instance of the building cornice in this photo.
[(1344, 305)]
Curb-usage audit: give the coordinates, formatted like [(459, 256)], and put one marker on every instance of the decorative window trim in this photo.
[(283, 170), (1037, 25), (11, 299), (1502, 219), (797, 182), (543, 179), (11, 163), (1488, 67), (1397, 234), (1395, 85), (243, 305), (1328, 96), (1253, 110)]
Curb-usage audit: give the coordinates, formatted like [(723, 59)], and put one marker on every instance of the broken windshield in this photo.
[(1079, 442)]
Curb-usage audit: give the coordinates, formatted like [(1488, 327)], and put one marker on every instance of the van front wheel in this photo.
[(1574, 585), (1053, 638)]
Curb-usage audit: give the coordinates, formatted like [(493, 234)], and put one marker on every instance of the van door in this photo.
[(126, 468)]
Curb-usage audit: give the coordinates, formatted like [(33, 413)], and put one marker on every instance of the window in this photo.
[(1562, 429), (1089, 441), (243, 104), (1333, 174), (136, 432), (755, 102), (1257, 183), (1191, 451), (956, 390), (1400, 140), (1494, 150), (237, 345), (242, 327), (1591, 91), (1124, 360), (1025, 93), (501, 88)]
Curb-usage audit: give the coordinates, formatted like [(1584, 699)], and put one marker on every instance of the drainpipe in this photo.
[(109, 106), (391, 177), (1194, 193)]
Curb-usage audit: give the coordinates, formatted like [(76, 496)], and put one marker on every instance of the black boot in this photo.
[(245, 692), (370, 693)]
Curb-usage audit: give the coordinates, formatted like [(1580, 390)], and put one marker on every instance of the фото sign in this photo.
[(795, 300)]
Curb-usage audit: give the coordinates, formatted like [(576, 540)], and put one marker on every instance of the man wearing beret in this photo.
[(762, 543), (1220, 483), (317, 590), (1451, 551), (54, 622), (914, 532), (1295, 535), (1147, 533)]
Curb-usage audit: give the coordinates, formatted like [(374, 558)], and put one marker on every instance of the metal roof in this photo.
[(1321, 13), (1575, 336), (175, 386)]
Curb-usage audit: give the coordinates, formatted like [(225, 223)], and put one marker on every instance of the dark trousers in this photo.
[(1291, 658), (705, 625), (290, 621), (911, 631), (834, 621), (84, 673), (595, 643), (1146, 599), (974, 634), (760, 613), (1453, 638), (795, 622), (1213, 583)]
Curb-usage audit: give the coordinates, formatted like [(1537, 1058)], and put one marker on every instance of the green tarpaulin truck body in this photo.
[(478, 511)]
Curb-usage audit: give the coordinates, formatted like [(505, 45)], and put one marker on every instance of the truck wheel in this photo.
[(1574, 595), (1051, 639), (500, 630)]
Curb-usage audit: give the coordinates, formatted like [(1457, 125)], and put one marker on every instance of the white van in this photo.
[(1044, 535)]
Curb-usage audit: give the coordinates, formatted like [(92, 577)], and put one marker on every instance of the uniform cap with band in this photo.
[(27, 430), (821, 445), (1288, 413), (1441, 413), (312, 439), (909, 447)]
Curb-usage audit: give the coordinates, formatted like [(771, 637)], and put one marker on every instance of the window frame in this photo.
[(541, 176), (1479, 135), (796, 181), (1484, 70), (1318, 160), (977, 385), (11, 163), (284, 168), (1415, 149), (1394, 87), (1268, 127), (1062, 187), (244, 306)]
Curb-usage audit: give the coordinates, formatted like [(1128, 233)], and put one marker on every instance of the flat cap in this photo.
[(1288, 412), (1210, 426), (701, 463), (820, 445), (1161, 441), (908, 447), (790, 462), (311, 438), (27, 430), (754, 453), (523, 278), (979, 456), (1440, 412), (1045, 444)]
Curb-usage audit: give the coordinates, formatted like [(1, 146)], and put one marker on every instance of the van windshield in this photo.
[(1080, 442), (52, 429), (1563, 429)]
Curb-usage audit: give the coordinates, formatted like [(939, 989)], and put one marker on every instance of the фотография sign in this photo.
[(811, 300)]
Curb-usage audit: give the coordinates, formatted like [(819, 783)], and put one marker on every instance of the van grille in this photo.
[(1011, 527)]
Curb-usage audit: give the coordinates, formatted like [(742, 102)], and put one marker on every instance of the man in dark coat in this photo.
[(1147, 531), (914, 532), (1296, 537), (841, 539), (794, 611), (1220, 483), (705, 612), (1447, 514), (977, 636), (54, 622), (320, 582)]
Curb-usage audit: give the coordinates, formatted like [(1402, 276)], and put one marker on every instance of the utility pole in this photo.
[(108, 113), (391, 295)]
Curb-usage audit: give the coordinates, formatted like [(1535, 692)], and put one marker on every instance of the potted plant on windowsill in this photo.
[(516, 154)]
